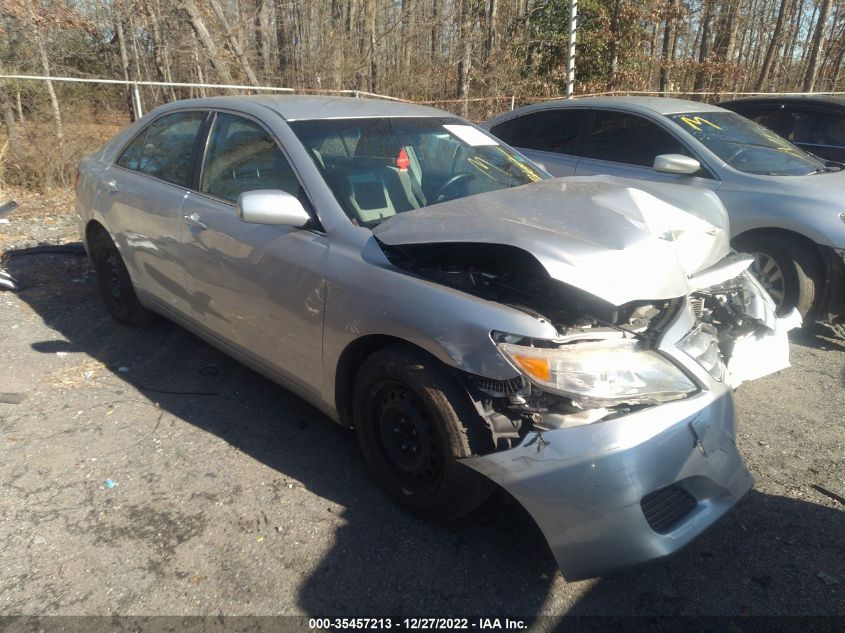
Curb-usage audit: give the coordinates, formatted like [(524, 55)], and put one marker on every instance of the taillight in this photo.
[(76, 178)]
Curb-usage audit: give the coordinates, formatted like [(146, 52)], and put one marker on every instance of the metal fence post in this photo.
[(139, 111)]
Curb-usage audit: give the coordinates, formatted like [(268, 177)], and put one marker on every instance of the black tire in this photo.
[(114, 282), (413, 423), (797, 265)]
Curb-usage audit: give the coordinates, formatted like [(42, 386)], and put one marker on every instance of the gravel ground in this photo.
[(144, 472)]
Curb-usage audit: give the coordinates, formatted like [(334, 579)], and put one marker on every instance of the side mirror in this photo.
[(676, 164), (272, 206)]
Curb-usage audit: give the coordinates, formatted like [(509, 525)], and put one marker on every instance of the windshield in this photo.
[(747, 146), (377, 168)]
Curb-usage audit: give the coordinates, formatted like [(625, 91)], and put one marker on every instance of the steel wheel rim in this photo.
[(409, 437), (770, 275), (113, 277)]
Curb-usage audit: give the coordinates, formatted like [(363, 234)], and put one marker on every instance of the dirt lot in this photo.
[(145, 473)]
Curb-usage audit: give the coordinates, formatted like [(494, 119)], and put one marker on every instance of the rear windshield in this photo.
[(747, 146), (377, 168)]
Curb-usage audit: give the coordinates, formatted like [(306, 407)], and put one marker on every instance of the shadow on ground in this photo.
[(762, 559)]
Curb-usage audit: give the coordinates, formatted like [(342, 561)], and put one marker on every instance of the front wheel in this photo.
[(788, 269), (413, 424)]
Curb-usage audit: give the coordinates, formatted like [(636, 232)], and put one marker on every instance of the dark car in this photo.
[(816, 124)]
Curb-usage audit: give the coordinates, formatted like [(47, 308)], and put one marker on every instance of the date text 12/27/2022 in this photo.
[(420, 624)]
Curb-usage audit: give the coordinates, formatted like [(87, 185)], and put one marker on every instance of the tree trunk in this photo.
[(492, 26), (466, 56), (613, 46), (817, 46), (54, 102), (124, 62), (774, 43), (9, 120), (704, 50), (234, 44), (19, 106), (407, 38), (206, 41), (161, 59), (668, 38)]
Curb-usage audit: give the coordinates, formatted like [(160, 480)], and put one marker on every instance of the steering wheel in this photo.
[(440, 196)]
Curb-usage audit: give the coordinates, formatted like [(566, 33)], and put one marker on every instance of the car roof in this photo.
[(835, 100), (311, 107), (643, 105)]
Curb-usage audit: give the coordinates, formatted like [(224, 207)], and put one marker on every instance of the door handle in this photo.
[(194, 222)]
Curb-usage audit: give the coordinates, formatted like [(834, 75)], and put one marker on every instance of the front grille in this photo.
[(664, 508), (497, 387)]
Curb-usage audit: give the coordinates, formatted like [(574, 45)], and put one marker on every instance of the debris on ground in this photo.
[(827, 578), (110, 483), (12, 398), (7, 282), (828, 493)]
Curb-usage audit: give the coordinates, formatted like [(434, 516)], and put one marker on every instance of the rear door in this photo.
[(625, 145), (258, 288), (142, 200), (551, 137)]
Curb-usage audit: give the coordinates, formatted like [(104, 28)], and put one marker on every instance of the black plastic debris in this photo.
[(7, 282)]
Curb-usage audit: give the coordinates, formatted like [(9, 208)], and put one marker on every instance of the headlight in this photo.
[(601, 372), (702, 344)]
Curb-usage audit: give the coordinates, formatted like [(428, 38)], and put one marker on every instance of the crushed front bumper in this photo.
[(590, 488)]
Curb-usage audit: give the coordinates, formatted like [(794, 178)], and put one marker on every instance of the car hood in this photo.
[(828, 186), (620, 240)]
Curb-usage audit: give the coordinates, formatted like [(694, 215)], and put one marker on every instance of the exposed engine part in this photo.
[(513, 277), (725, 307)]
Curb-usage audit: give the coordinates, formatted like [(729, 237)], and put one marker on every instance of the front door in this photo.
[(258, 288), (625, 145)]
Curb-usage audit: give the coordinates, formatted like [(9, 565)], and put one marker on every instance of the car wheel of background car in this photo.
[(115, 284), (413, 423), (788, 269)]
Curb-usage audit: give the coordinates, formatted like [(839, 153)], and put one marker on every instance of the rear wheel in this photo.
[(115, 284), (788, 269), (413, 424)]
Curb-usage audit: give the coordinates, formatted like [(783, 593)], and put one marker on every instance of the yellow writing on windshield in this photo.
[(697, 122)]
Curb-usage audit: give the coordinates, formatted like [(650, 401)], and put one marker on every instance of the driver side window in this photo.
[(629, 139), (241, 157)]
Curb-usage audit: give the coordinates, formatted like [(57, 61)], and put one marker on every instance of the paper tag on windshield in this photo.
[(470, 135)]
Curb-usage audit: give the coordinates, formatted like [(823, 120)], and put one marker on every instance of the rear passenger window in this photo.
[(243, 157), (169, 146), (629, 139), (547, 131), (129, 157)]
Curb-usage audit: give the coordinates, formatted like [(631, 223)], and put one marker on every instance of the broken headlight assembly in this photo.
[(600, 372), (702, 345)]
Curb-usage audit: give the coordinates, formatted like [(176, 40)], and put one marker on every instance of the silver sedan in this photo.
[(575, 341), (786, 207)]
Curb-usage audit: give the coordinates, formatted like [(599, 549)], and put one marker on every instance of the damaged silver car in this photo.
[(575, 341)]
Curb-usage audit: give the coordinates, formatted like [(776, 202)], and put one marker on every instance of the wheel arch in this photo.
[(805, 241), (92, 229), (350, 360)]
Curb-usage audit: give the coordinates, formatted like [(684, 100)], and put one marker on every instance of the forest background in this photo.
[(473, 57)]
